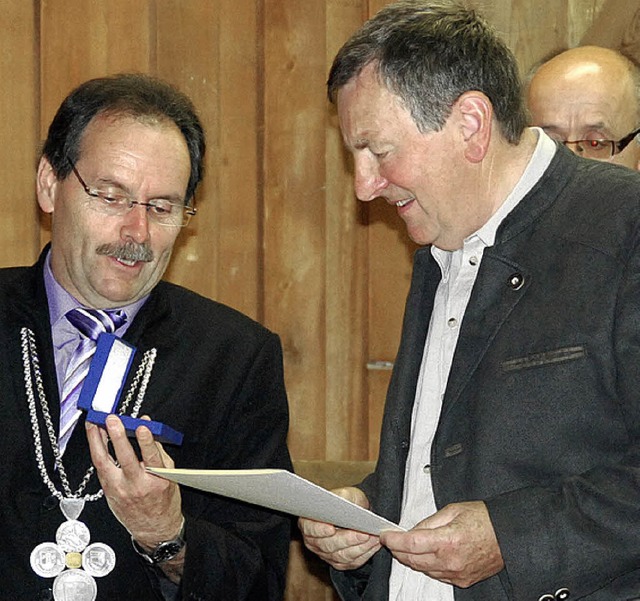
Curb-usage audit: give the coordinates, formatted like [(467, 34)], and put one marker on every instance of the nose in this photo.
[(135, 224), (575, 147), (368, 181)]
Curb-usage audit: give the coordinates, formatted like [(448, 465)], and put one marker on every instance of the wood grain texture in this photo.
[(18, 131), (209, 50), (80, 40), (347, 331), (295, 254), (279, 234)]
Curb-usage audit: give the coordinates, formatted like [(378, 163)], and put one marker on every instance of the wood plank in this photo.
[(209, 50), (77, 43), (18, 129), (307, 575), (239, 206), (294, 213), (346, 289), (531, 29), (581, 15)]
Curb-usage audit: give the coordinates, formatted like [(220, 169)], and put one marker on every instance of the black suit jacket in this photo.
[(217, 379), (541, 414)]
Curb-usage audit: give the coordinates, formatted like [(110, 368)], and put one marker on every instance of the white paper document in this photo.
[(283, 491)]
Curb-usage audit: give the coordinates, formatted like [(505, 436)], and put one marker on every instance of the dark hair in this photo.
[(428, 53), (130, 94)]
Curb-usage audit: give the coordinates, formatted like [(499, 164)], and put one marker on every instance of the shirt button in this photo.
[(452, 322), (473, 260), (427, 469)]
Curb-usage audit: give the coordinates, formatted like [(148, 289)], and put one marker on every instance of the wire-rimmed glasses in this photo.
[(160, 210)]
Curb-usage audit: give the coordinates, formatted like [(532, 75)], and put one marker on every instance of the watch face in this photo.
[(166, 551)]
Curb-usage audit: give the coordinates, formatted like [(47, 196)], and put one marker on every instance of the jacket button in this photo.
[(562, 594), (516, 281), (547, 598)]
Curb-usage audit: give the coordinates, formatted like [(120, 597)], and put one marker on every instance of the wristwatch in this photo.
[(164, 551)]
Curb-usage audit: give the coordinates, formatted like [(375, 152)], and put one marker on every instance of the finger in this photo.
[(412, 542), (152, 452), (350, 557), (315, 529), (348, 543), (98, 447), (125, 455)]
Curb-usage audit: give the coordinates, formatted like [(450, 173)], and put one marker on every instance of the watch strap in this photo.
[(163, 551)]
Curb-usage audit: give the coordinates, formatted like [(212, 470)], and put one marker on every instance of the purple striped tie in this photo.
[(91, 323)]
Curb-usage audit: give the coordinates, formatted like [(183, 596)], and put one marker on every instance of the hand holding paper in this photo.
[(341, 548)]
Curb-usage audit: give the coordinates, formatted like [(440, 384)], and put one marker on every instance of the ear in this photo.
[(46, 186), (476, 122)]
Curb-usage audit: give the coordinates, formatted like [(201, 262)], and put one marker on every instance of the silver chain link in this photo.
[(31, 365)]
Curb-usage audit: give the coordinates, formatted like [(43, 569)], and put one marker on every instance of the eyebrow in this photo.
[(102, 181), (600, 127)]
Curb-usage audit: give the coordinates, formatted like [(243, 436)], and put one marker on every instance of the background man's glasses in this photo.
[(159, 210), (600, 149)]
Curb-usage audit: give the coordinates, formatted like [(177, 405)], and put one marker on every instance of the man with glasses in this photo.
[(588, 98), (118, 175)]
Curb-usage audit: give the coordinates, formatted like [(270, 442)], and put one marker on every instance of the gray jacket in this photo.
[(541, 415)]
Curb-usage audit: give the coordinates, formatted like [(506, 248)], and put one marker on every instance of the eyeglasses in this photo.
[(159, 210), (601, 149)]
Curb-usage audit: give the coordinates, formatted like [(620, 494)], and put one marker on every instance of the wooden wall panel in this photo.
[(346, 435), (616, 24), (18, 132), (580, 15), (294, 217), (238, 157), (80, 40), (209, 50), (530, 29)]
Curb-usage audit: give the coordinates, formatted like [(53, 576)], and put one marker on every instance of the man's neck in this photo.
[(487, 184), (503, 167)]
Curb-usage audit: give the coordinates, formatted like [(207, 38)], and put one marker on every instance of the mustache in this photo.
[(129, 251)]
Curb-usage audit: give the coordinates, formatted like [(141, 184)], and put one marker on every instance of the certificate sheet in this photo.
[(284, 491)]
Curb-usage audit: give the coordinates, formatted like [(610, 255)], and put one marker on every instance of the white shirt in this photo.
[(459, 269)]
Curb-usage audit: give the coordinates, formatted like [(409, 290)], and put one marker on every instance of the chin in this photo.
[(419, 238)]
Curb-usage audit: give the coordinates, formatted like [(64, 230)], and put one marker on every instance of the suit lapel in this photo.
[(500, 286)]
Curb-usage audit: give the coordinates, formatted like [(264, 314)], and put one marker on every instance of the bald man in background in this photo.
[(589, 99)]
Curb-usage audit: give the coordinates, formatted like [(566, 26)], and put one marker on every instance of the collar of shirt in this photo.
[(64, 335), (61, 302)]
